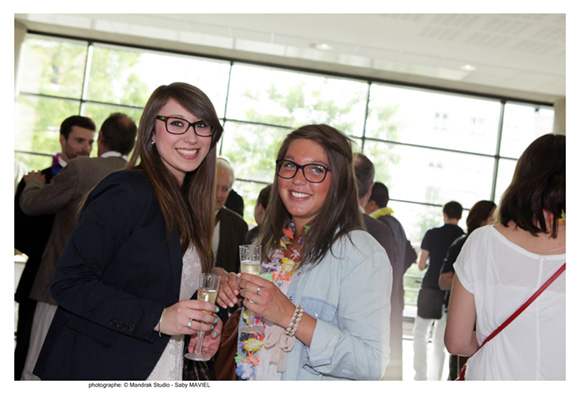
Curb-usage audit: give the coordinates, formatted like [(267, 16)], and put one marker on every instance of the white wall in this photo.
[(560, 116)]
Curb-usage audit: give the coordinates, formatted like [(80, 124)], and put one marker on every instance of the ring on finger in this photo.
[(258, 291), (189, 323)]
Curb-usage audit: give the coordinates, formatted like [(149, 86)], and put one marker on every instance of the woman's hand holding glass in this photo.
[(175, 319), (269, 302), (266, 299), (207, 290), (210, 342)]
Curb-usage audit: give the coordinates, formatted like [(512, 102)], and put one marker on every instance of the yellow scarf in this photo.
[(382, 212)]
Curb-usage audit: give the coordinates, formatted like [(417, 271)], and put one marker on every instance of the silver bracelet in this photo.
[(296, 317), (161, 318)]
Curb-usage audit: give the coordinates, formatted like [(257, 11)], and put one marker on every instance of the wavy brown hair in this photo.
[(539, 184), (340, 213), (189, 208)]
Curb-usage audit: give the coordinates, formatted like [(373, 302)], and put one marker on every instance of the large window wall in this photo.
[(428, 146)]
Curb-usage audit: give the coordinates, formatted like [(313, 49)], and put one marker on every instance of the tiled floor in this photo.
[(408, 372)]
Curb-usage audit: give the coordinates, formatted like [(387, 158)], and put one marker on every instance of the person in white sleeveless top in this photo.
[(501, 266)]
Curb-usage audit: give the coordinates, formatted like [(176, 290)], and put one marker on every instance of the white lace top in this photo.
[(170, 364)]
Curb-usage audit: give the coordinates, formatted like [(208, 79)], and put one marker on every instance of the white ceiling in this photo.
[(519, 56)]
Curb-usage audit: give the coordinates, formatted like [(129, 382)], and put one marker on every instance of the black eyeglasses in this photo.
[(314, 173), (175, 125)]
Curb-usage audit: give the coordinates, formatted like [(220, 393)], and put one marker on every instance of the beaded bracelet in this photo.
[(296, 317)]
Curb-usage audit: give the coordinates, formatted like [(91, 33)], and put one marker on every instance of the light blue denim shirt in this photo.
[(349, 294)]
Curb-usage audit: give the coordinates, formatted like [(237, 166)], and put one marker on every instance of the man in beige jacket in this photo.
[(63, 197)]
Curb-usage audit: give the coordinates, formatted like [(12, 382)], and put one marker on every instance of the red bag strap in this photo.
[(525, 305)]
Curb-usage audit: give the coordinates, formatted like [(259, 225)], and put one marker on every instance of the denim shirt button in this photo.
[(290, 298)]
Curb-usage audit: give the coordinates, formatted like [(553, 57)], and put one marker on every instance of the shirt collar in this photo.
[(61, 162), (115, 154)]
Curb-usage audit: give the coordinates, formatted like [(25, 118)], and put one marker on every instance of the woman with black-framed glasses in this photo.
[(325, 292), (313, 172), (125, 279)]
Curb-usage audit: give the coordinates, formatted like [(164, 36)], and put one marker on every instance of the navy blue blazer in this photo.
[(116, 275)]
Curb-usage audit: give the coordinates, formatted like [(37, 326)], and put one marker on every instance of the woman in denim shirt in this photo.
[(328, 282)]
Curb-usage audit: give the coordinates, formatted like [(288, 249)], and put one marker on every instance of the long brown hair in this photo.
[(189, 208), (538, 185), (340, 213)]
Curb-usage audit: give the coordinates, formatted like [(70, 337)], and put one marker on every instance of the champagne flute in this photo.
[(250, 262), (207, 291)]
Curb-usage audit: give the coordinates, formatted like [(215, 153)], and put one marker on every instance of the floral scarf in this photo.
[(280, 270)]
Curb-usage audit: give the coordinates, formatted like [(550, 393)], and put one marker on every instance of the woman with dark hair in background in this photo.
[(500, 267), (480, 214), (327, 309), (125, 279)]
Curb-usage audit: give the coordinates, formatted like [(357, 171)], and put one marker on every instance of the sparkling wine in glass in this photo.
[(207, 291), (250, 263)]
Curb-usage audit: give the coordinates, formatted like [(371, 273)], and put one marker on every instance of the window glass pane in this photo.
[(417, 219), (522, 125), (32, 162), (293, 99), (356, 144), (505, 173), (125, 76), (52, 67), (430, 175), (414, 218), (252, 149), (37, 123), (433, 119)]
